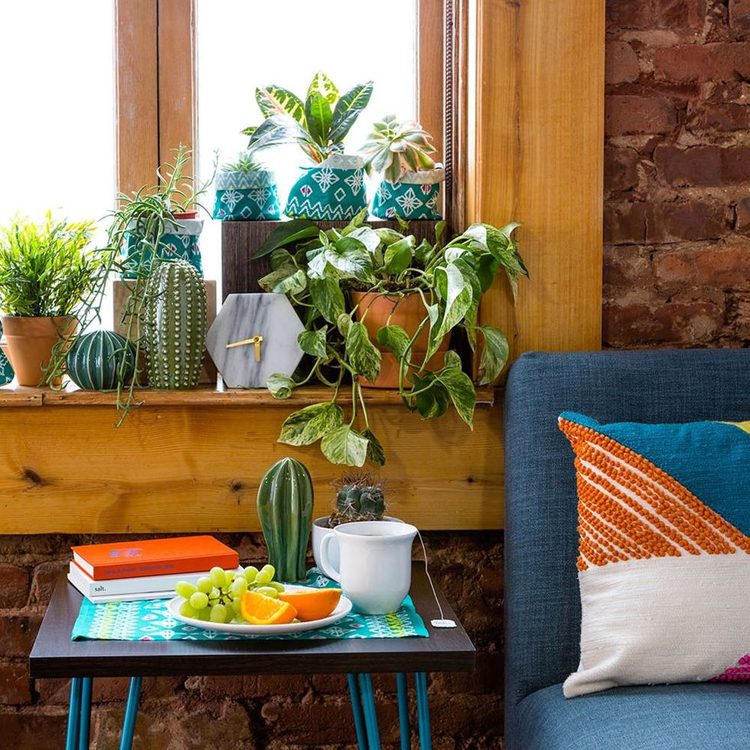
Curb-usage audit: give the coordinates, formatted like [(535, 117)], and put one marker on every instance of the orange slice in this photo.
[(312, 604), (259, 609)]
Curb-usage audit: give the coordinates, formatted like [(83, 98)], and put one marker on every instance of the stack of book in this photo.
[(127, 571)]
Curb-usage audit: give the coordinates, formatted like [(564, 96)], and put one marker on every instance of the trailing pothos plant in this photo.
[(317, 270)]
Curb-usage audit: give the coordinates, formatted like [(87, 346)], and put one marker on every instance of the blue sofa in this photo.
[(542, 607)]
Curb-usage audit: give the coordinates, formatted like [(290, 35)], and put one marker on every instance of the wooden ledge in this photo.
[(19, 396)]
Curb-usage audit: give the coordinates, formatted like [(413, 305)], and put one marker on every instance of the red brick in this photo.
[(247, 686), (15, 684), (742, 222), (44, 579), (17, 633), (629, 14), (33, 729), (720, 266), (620, 169), (704, 165), (627, 114), (725, 117), (679, 14), (722, 61), (621, 63), (685, 220), (14, 586), (739, 18), (625, 223), (627, 269)]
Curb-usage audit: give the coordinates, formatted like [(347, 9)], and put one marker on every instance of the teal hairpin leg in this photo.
[(403, 711), (423, 711), (74, 714), (131, 713), (85, 725), (368, 706), (359, 721)]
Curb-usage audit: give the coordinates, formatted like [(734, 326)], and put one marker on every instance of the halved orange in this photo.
[(259, 609), (312, 604)]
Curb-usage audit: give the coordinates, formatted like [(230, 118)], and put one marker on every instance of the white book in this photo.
[(122, 597)]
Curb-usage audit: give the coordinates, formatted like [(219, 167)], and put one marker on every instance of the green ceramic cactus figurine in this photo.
[(285, 505), (360, 498), (175, 321)]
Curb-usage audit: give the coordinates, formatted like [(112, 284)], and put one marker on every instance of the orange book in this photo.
[(154, 557)]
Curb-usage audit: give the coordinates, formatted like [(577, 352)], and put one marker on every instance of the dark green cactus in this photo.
[(358, 499), (285, 505), (175, 321)]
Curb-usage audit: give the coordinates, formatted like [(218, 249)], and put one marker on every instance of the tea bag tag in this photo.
[(442, 622)]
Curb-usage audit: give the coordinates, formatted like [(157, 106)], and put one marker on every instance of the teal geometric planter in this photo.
[(95, 358), (6, 371), (246, 196), (415, 196), (179, 242), (331, 190)]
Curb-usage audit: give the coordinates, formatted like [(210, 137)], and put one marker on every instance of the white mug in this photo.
[(375, 561)]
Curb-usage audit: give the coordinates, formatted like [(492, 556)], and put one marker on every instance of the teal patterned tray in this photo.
[(149, 620)]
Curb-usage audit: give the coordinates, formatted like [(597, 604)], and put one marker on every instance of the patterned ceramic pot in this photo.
[(95, 358), (331, 190), (415, 196), (246, 196), (6, 371), (179, 242)]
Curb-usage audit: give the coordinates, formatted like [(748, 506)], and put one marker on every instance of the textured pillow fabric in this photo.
[(664, 552)]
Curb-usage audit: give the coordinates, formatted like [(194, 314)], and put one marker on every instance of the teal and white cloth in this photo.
[(150, 620), (415, 196), (246, 196), (331, 190), (179, 242)]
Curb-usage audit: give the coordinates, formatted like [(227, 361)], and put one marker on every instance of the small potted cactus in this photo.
[(402, 153), (359, 497), (246, 191)]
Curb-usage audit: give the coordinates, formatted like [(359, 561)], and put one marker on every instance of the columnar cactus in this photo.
[(358, 499), (175, 321), (285, 505)]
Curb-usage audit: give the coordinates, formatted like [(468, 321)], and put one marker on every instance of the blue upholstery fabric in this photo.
[(667, 717), (542, 607)]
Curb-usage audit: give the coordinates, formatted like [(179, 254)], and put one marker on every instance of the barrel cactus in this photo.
[(285, 505), (174, 322), (101, 360), (359, 498)]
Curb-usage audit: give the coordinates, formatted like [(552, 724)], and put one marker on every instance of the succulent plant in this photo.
[(394, 148), (175, 320), (359, 498), (246, 162)]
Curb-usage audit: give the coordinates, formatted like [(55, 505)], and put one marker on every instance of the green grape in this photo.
[(267, 572), (218, 613), (204, 584), (217, 577), (238, 588), (235, 606), (268, 591), (237, 620), (278, 586), (214, 593), (204, 614), (229, 576), (185, 589), (251, 573), (187, 611), (198, 600)]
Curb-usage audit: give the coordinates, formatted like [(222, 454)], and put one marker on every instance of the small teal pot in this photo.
[(246, 196), (6, 371), (95, 358), (179, 242), (413, 197), (332, 190)]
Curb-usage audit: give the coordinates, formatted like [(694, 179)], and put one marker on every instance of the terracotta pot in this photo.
[(376, 311), (29, 344)]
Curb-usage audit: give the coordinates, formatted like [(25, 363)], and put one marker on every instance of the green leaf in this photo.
[(347, 110), (362, 354), (367, 236), (461, 392), (486, 270), (432, 401), (458, 297), (375, 451), (327, 297), (276, 100), (290, 284), (277, 130), (322, 85), (287, 233), (281, 257), (314, 342), (396, 340), (280, 385), (345, 446), (398, 255), (494, 354), (307, 425), (351, 258), (318, 113), (343, 323)]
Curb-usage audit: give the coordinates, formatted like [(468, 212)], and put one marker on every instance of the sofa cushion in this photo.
[(688, 717)]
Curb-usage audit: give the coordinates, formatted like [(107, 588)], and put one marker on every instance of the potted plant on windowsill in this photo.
[(374, 296), (47, 273), (401, 152), (333, 188), (245, 191)]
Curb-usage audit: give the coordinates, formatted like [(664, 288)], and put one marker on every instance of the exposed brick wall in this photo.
[(677, 173), (289, 712)]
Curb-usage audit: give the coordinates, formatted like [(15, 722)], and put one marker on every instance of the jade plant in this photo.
[(321, 277), (359, 498), (318, 124)]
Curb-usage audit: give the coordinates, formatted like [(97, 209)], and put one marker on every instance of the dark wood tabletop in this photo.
[(55, 655)]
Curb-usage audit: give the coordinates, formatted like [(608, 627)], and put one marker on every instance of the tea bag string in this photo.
[(442, 622)]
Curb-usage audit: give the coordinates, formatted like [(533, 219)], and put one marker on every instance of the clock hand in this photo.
[(257, 340)]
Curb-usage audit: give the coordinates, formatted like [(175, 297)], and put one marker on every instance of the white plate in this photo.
[(342, 610)]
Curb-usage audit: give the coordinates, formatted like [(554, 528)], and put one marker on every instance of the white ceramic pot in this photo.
[(320, 529)]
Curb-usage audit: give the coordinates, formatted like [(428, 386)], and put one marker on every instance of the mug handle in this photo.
[(325, 561)]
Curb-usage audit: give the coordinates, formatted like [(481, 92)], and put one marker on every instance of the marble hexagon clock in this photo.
[(253, 337)]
